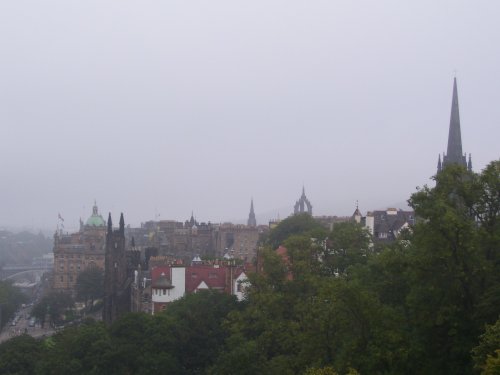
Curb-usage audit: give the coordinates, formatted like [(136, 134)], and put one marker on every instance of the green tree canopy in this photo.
[(10, 300), (20, 355), (295, 225), (90, 285), (55, 304)]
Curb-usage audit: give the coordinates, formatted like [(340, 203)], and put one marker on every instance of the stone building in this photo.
[(188, 239), (385, 225), (171, 282), (76, 252), (237, 241), (120, 264)]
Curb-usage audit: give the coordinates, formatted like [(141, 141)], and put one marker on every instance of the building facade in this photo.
[(172, 282), (120, 263), (76, 252)]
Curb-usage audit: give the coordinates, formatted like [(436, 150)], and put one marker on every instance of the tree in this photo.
[(197, 325), (78, 350), (348, 244), (454, 268), (54, 304), (10, 300), (489, 344), (20, 355), (295, 225), (90, 285)]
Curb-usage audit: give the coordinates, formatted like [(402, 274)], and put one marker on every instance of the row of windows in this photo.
[(61, 267), (158, 292), (211, 275), (70, 279), (76, 256)]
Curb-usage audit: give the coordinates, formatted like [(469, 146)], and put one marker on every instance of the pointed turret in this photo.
[(122, 224), (110, 223), (454, 153), (252, 222)]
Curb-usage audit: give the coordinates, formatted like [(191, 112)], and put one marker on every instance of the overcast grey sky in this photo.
[(163, 107)]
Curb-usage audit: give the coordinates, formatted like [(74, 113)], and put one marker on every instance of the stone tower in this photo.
[(454, 152), (303, 205), (116, 295), (252, 222)]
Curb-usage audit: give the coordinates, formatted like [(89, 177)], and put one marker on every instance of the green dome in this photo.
[(95, 220)]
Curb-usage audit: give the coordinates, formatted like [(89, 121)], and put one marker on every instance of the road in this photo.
[(22, 326)]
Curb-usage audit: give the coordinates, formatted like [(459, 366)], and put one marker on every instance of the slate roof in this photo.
[(390, 224)]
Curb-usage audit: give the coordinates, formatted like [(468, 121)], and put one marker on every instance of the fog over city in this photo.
[(160, 108)]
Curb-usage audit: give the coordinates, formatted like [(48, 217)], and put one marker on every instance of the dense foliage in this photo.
[(10, 300), (333, 304), (53, 305), (185, 339), (90, 285)]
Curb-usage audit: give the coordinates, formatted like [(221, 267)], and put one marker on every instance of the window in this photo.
[(212, 275), (61, 278), (194, 275), (71, 279)]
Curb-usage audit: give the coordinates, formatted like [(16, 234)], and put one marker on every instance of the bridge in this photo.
[(22, 273)]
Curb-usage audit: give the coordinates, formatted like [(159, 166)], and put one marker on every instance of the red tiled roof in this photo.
[(215, 278), (157, 271)]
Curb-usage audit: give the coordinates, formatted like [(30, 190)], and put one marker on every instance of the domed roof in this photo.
[(95, 220), (162, 282)]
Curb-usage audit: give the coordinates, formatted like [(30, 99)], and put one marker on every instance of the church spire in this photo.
[(454, 153), (252, 222)]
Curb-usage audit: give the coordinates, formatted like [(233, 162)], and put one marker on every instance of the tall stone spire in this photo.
[(252, 222), (454, 153), (303, 205)]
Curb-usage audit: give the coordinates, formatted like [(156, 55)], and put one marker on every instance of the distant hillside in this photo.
[(22, 247)]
